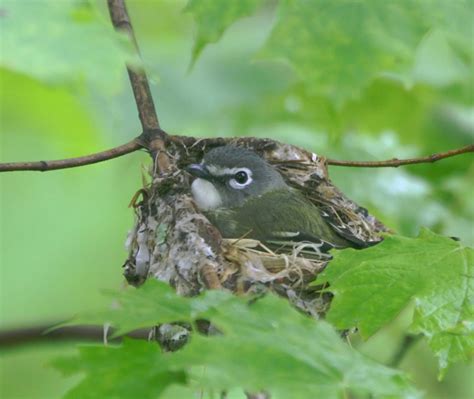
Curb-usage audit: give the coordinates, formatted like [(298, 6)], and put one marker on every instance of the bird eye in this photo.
[(241, 177)]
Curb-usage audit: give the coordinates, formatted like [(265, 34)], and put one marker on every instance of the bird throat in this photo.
[(205, 195)]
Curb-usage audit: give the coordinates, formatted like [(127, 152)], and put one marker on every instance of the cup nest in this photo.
[(173, 242)]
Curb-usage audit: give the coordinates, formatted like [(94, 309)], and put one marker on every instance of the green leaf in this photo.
[(339, 47), (62, 42), (264, 345), (155, 302), (136, 369), (269, 346), (213, 18), (372, 286)]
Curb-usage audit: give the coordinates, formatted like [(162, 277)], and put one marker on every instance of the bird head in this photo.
[(228, 176)]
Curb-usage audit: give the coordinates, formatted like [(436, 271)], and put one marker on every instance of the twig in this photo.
[(44, 166), (395, 163), (22, 336), (210, 277), (405, 346)]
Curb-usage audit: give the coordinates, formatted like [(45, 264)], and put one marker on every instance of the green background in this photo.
[(63, 232)]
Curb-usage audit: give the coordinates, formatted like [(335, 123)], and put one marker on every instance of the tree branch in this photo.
[(138, 79), (138, 143), (395, 163), (44, 166), (28, 335), (154, 139)]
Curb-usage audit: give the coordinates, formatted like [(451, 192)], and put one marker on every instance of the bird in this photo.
[(244, 196)]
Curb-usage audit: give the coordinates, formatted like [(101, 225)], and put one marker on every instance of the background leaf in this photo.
[(213, 18), (375, 38)]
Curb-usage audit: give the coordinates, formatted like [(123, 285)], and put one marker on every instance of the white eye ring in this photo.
[(239, 186)]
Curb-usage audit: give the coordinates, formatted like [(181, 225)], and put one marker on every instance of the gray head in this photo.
[(229, 175)]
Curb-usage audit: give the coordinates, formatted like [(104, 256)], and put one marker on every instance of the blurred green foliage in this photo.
[(64, 92), (68, 49)]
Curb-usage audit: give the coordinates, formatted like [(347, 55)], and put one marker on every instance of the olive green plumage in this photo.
[(280, 215)]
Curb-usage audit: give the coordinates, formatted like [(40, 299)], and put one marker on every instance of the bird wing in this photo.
[(281, 218)]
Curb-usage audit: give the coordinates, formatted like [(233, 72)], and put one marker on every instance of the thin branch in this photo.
[(395, 163), (43, 166), (138, 143), (28, 335)]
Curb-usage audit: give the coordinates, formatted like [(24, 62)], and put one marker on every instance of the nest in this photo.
[(173, 242)]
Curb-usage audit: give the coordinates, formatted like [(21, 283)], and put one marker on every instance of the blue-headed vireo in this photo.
[(244, 196)]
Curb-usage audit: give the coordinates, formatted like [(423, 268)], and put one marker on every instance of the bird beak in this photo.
[(198, 170)]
